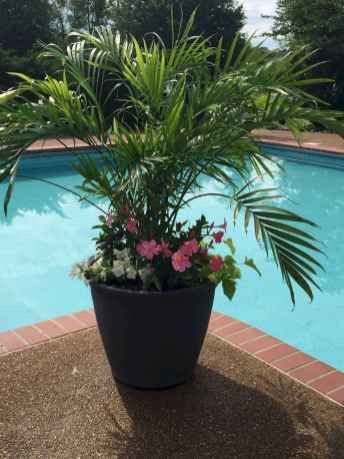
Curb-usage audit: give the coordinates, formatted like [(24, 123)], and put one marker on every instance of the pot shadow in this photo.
[(310, 427), (210, 416)]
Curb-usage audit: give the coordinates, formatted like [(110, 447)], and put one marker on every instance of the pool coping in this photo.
[(301, 367), (316, 142)]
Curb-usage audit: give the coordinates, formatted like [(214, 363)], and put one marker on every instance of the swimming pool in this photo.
[(48, 230)]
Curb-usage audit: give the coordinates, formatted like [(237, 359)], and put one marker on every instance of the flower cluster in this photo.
[(99, 270), (182, 258), (150, 249), (127, 258)]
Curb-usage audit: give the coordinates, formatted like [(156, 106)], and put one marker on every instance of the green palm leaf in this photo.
[(163, 121), (289, 245)]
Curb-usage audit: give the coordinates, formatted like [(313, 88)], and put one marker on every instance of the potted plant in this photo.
[(159, 122)]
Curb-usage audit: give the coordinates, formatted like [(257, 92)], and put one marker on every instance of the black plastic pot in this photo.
[(152, 339)]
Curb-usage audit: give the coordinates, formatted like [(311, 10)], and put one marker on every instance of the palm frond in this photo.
[(162, 119), (277, 229)]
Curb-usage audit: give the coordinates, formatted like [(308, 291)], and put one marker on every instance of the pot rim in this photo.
[(125, 291)]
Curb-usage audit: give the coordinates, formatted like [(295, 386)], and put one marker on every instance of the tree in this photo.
[(214, 17), (23, 23), (11, 61), (80, 14), (61, 18), (87, 14), (318, 24), (192, 121)]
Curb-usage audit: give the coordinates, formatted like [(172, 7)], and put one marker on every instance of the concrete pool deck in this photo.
[(59, 401), (319, 141), (322, 142)]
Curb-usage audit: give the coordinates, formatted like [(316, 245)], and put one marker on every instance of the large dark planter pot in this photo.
[(152, 339)]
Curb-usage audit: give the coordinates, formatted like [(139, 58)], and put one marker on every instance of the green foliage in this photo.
[(215, 18), (229, 288), (87, 15), (230, 244), (23, 23), (83, 15), (251, 264), (193, 109), (318, 24), (118, 262), (230, 277), (274, 227), (11, 60)]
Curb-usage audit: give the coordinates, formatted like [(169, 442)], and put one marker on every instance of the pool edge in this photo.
[(316, 142), (288, 360)]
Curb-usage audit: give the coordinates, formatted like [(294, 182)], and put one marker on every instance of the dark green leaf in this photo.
[(249, 262), (229, 243), (229, 287)]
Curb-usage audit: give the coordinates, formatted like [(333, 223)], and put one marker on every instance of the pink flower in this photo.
[(224, 226), (165, 250), (218, 237), (189, 248), (148, 249), (216, 264), (109, 220), (131, 225), (180, 261)]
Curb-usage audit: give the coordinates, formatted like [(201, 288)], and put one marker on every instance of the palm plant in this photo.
[(162, 119)]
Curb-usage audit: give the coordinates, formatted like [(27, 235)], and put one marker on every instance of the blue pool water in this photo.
[(48, 230)]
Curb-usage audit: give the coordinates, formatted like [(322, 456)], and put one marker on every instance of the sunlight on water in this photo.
[(46, 232)]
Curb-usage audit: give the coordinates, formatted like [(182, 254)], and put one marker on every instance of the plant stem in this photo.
[(204, 195), (82, 198)]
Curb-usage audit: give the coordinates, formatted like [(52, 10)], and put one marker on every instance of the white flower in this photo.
[(97, 263), (103, 275), (145, 272), (131, 272), (77, 271), (121, 254), (118, 269)]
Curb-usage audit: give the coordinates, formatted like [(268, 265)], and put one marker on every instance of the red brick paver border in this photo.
[(301, 367), (287, 359), (25, 337)]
